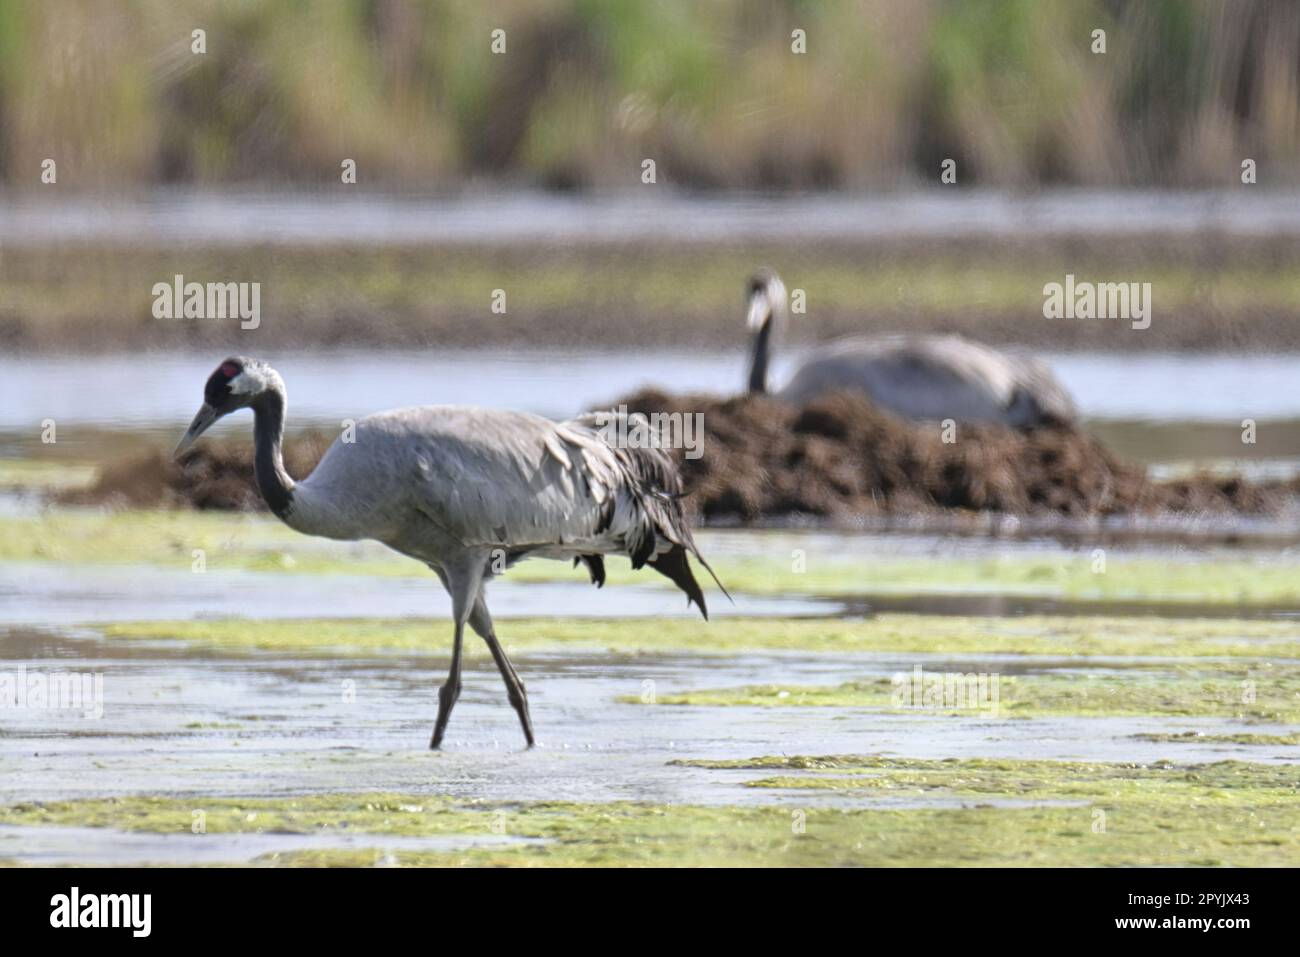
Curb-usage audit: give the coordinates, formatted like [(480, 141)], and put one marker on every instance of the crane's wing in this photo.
[(494, 478)]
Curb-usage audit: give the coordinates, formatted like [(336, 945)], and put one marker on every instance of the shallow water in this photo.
[(66, 593), (232, 218), (104, 847), (328, 387), (183, 721), (180, 722), (41, 593)]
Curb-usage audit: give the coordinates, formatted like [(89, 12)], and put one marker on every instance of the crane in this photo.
[(927, 377), (469, 492)]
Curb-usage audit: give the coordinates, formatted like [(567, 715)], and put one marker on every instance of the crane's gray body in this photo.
[(439, 482), (934, 377)]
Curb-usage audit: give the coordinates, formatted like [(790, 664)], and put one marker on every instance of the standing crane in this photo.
[(915, 376), (469, 492)]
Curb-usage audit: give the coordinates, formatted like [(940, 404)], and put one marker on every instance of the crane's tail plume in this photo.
[(673, 565)]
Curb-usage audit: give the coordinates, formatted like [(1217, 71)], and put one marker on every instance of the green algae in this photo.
[(40, 475), (1269, 694), (1067, 638), (378, 813), (230, 540), (240, 541), (1232, 813), (1243, 738), (1069, 577), (1225, 782)]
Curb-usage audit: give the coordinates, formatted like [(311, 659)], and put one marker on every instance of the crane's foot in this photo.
[(447, 696), (520, 703)]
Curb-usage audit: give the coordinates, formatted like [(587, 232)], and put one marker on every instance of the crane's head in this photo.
[(767, 301), (236, 384)]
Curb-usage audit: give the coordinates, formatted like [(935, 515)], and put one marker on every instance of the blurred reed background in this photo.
[(149, 135), (886, 90)]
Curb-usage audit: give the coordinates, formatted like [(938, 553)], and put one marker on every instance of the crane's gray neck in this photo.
[(760, 358), (268, 464)]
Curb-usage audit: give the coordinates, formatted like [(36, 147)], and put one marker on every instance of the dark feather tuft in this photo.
[(673, 565), (595, 567)]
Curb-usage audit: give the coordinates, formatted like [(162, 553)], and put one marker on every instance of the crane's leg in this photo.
[(462, 581), (449, 692), (481, 622)]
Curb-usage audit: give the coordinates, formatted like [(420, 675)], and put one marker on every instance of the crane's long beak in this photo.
[(760, 310), (205, 417)]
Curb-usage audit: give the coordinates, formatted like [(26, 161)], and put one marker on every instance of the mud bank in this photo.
[(212, 475), (837, 458)]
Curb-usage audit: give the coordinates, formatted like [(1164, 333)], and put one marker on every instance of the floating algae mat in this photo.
[(1244, 738), (1229, 813), (1079, 637), (34, 475), (757, 564), (1268, 693), (1224, 781)]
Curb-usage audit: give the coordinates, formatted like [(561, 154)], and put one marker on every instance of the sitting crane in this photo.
[(924, 377)]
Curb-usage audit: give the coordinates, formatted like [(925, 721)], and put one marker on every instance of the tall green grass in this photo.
[(589, 88)]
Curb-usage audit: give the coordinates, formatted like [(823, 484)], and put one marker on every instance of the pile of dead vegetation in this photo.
[(211, 474), (838, 457)]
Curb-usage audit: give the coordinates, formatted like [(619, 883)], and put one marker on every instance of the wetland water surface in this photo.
[(195, 725), (1133, 387), (184, 217), (190, 722), (294, 673)]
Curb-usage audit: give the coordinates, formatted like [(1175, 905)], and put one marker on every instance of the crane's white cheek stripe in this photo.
[(242, 384)]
